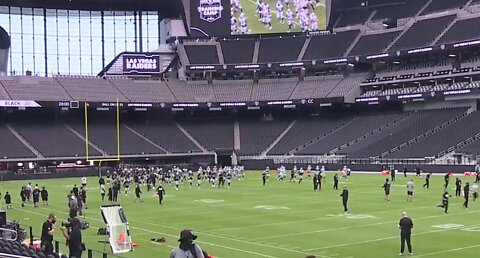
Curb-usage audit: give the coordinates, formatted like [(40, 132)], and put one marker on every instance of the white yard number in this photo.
[(458, 226)]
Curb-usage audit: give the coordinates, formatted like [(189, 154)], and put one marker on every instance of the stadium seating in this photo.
[(211, 134), (232, 90), (144, 90), (347, 84), (327, 85), (256, 136), (34, 88), (329, 46), (53, 140), (280, 49), (20, 250), (195, 91), (353, 17), (202, 54), (472, 148), (92, 89), (274, 89), (305, 131), (166, 135), (238, 51), (104, 136), (462, 30), (422, 33), (408, 128), (376, 43), (441, 140), (352, 130), (11, 147), (442, 5), (407, 8), (3, 93)]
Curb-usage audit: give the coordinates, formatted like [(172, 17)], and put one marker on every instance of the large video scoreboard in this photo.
[(237, 17)]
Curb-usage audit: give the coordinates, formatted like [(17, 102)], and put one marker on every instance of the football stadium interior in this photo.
[(88, 87)]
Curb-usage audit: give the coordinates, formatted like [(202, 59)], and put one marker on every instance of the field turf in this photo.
[(285, 220), (257, 27)]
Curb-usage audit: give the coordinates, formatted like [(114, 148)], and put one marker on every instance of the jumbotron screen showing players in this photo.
[(276, 16)]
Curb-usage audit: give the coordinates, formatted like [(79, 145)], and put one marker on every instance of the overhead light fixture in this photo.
[(351, 64), (396, 62), (452, 55)]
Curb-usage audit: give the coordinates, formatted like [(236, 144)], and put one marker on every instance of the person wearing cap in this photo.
[(186, 248), (405, 224)]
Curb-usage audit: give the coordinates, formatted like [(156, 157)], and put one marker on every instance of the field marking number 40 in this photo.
[(457, 226)]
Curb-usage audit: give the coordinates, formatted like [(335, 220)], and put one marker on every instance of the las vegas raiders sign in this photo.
[(210, 10)]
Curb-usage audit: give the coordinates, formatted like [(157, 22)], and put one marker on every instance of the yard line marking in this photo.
[(448, 251), (377, 239), (352, 227), (307, 220)]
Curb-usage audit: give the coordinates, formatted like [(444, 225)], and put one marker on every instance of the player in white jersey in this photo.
[(280, 15), (313, 21), (287, 2), (243, 23), (268, 20), (236, 6), (290, 18), (304, 21), (233, 24)]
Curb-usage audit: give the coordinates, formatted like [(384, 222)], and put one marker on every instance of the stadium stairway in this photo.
[(285, 131), (189, 136), (24, 141), (304, 48), (423, 8), (256, 49)]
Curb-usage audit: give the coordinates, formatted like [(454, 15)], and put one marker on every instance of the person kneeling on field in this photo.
[(186, 248)]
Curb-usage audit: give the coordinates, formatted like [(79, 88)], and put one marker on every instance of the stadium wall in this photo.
[(261, 164)]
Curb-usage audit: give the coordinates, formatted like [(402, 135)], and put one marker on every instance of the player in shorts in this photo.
[(279, 8), (410, 187)]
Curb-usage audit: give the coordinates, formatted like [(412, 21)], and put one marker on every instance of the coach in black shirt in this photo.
[(405, 226), (46, 240)]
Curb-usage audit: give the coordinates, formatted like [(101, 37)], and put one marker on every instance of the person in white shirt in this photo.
[(84, 181), (410, 187)]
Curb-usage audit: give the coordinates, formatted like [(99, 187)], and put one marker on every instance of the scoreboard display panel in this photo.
[(241, 17)]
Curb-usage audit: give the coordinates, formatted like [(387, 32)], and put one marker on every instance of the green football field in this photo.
[(257, 27), (284, 220)]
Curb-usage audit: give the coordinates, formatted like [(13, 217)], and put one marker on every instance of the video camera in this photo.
[(70, 223)]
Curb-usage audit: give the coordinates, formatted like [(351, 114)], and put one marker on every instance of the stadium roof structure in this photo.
[(166, 8)]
